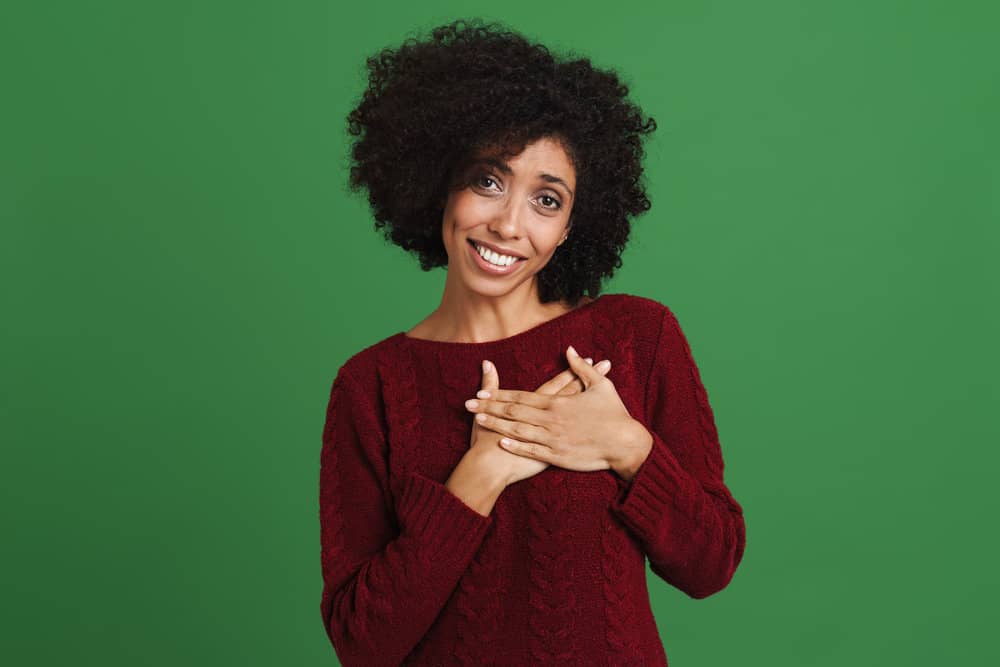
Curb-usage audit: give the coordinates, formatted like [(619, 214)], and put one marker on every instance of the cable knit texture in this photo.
[(556, 574)]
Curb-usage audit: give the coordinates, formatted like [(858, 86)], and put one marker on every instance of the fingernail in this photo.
[(482, 393), (590, 361), (573, 352), (603, 365), (486, 366)]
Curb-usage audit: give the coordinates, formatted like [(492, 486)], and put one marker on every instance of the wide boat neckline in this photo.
[(515, 339)]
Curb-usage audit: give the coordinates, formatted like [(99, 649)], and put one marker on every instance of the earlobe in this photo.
[(566, 235)]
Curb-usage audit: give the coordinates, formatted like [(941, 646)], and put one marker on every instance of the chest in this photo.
[(429, 427)]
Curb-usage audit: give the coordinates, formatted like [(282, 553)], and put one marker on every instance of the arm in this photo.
[(676, 503), (387, 570)]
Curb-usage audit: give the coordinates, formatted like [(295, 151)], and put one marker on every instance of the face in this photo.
[(522, 206)]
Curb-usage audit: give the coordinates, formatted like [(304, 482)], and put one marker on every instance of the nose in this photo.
[(507, 223)]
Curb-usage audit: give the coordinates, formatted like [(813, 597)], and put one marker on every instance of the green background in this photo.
[(184, 273)]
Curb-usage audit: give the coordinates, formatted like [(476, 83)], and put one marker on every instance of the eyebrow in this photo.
[(505, 168)]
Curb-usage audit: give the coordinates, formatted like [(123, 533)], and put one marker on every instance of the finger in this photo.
[(529, 450), (491, 377), (513, 411), (515, 429), (498, 397), (559, 383), (490, 381), (585, 371), (575, 386)]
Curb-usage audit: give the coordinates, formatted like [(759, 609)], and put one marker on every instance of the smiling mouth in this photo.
[(493, 267), (473, 244)]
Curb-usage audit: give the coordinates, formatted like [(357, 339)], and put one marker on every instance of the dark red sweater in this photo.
[(556, 573)]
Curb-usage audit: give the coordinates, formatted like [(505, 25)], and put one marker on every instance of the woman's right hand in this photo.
[(514, 468)]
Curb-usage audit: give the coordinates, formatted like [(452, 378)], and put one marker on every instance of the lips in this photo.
[(496, 250), (493, 268)]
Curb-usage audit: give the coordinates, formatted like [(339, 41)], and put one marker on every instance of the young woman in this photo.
[(488, 495)]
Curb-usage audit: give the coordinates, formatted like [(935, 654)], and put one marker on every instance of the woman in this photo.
[(513, 529)]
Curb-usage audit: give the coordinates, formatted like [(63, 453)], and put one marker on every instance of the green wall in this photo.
[(184, 272)]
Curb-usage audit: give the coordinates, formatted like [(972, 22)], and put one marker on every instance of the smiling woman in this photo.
[(450, 112), (512, 214), (519, 536)]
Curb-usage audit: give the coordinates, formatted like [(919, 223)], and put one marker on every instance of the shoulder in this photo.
[(362, 368), (644, 315)]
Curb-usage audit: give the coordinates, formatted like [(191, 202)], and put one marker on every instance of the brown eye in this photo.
[(481, 179), (557, 206)]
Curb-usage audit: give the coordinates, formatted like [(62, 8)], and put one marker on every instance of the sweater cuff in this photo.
[(447, 528), (656, 489)]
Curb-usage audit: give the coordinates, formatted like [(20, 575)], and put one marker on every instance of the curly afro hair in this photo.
[(431, 105)]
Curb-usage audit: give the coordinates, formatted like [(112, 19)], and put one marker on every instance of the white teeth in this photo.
[(494, 258)]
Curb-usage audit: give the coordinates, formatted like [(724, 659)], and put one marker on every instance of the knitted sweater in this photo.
[(555, 574)]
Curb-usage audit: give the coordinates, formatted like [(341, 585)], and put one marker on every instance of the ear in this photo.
[(566, 234)]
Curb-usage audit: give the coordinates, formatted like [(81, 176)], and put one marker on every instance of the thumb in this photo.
[(587, 373), (491, 379)]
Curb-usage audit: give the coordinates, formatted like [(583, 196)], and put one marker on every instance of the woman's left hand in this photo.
[(589, 430)]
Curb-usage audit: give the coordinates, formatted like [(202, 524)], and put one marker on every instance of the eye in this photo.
[(558, 204), (479, 180)]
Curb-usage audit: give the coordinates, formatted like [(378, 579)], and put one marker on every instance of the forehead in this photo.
[(544, 155)]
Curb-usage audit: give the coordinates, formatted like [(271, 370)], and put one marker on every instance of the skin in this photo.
[(487, 469), (521, 211), (576, 420), (580, 430)]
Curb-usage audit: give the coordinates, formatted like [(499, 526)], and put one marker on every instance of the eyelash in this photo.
[(558, 205)]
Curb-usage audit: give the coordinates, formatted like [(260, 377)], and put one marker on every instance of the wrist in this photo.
[(639, 443), (486, 469), (469, 487)]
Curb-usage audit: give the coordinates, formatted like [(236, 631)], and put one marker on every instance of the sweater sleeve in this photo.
[(677, 505), (388, 567)]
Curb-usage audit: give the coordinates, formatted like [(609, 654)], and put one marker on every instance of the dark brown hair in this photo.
[(432, 104)]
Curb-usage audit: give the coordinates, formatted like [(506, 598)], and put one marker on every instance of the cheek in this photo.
[(552, 240), (467, 211)]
